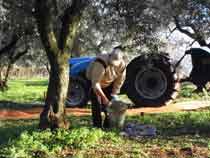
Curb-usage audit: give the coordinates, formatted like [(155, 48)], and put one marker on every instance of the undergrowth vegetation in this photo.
[(188, 93), (177, 134), (46, 143), (181, 134)]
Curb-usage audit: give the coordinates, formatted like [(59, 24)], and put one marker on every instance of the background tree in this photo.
[(190, 17), (17, 33)]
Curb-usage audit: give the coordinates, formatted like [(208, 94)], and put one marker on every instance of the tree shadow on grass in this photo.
[(11, 129), (18, 106), (4, 104), (37, 83)]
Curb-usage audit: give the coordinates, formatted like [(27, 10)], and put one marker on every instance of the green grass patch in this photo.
[(187, 93), (47, 143), (176, 132), (32, 91), (178, 123), (25, 91)]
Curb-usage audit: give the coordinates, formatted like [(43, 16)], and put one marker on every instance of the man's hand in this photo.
[(101, 96), (106, 101), (103, 100), (114, 96)]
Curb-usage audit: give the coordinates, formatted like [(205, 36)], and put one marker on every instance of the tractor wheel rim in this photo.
[(151, 83), (75, 95)]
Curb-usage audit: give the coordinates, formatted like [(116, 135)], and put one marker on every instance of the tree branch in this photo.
[(171, 31), (195, 36), (11, 45), (19, 55), (192, 43), (44, 17), (179, 27), (70, 24)]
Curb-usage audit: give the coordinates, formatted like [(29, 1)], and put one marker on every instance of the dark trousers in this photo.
[(98, 108)]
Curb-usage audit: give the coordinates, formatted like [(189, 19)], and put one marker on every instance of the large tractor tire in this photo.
[(78, 95), (151, 81)]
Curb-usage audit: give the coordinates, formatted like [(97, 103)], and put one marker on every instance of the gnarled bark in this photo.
[(53, 114)]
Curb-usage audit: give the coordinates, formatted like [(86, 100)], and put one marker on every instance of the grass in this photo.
[(32, 91), (187, 93), (25, 91), (183, 133)]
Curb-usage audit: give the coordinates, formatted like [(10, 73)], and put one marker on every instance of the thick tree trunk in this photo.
[(57, 49), (53, 115)]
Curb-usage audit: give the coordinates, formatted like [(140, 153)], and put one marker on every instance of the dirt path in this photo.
[(34, 112)]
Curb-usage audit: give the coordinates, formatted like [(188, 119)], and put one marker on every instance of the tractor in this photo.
[(152, 79)]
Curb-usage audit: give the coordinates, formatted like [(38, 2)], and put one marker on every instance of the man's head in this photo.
[(117, 56)]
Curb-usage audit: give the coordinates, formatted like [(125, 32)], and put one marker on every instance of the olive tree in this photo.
[(17, 33), (190, 17), (58, 41)]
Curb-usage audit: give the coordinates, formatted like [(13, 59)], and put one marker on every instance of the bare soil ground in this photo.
[(32, 113)]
